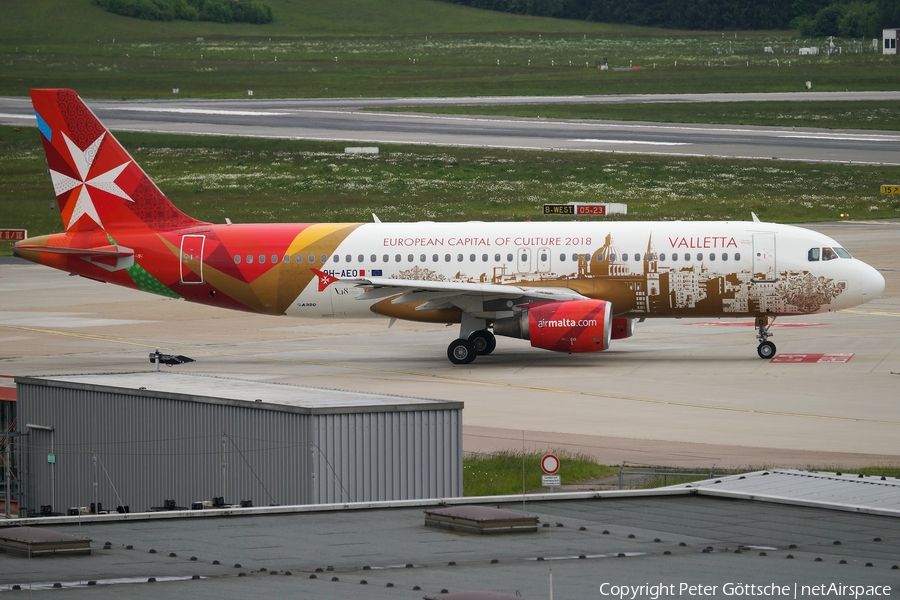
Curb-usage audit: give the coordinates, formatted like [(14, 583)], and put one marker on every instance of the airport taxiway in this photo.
[(341, 120), (680, 392)]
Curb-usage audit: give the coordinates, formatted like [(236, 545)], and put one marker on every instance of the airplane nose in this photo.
[(872, 283)]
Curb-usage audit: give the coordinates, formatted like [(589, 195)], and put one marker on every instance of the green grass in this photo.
[(501, 473), (259, 180), (839, 115), (879, 471), (399, 48)]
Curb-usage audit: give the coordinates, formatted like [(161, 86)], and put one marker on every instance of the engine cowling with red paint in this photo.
[(622, 327), (569, 326)]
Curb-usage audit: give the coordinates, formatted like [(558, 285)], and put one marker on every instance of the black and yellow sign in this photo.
[(559, 209), (890, 189)]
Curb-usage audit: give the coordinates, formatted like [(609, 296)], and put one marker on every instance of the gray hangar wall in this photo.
[(149, 437)]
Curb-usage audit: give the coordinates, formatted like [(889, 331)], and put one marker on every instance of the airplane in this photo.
[(564, 286)]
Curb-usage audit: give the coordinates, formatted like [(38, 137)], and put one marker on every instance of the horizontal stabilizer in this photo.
[(103, 251)]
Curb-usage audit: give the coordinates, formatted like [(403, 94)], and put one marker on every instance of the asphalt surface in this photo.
[(340, 120)]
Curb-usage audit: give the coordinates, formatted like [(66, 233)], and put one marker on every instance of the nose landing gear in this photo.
[(766, 349)]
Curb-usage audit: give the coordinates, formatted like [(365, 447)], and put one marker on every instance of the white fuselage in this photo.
[(673, 269)]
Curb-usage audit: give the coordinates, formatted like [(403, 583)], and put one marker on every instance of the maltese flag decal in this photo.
[(324, 279)]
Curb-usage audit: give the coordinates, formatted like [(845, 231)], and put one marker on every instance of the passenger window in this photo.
[(336, 258), (249, 259), (435, 258), (674, 257), (373, 258), (262, 259), (385, 258), (724, 256), (737, 256), (662, 257), (349, 258), (612, 258), (509, 257), (410, 257), (397, 258), (459, 258), (637, 256), (712, 256), (575, 258), (625, 257), (484, 258), (421, 258), (543, 257), (828, 254), (287, 258), (446, 258), (274, 258), (812, 255), (562, 257), (496, 258), (471, 258), (360, 258), (311, 258), (237, 259)]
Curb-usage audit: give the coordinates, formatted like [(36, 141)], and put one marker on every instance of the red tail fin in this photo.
[(97, 183)]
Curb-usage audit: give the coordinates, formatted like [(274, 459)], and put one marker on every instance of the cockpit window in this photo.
[(842, 253), (828, 254), (813, 254)]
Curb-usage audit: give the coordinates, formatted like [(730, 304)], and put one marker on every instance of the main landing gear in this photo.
[(766, 349), (464, 351)]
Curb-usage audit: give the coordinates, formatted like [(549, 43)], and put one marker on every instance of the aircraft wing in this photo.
[(442, 294)]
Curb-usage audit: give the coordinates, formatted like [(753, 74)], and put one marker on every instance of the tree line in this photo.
[(814, 18), (222, 11)]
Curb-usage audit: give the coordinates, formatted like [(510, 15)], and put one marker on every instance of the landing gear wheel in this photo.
[(766, 350), (484, 342), (461, 352)]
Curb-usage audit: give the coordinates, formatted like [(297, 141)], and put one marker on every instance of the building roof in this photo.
[(670, 539), (224, 390), (851, 492)]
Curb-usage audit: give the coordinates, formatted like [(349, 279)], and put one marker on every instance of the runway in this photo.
[(680, 392), (342, 120)]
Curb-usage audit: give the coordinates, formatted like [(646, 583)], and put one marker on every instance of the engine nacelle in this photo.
[(570, 326), (622, 327)]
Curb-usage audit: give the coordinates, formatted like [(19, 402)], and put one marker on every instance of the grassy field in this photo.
[(257, 180), (844, 115), (346, 48), (501, 473)]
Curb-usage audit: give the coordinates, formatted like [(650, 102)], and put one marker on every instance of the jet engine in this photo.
[(569, 326)]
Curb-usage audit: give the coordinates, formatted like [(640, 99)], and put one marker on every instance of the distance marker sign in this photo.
[(550, 464)]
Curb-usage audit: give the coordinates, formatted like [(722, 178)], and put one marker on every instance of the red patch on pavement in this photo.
[(751, 324), (812, 358)]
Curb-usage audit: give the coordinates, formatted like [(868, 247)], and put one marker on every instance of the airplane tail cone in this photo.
[(97, 183)]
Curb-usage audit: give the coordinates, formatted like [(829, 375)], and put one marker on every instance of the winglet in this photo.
[(375, 217), (755, 218)]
